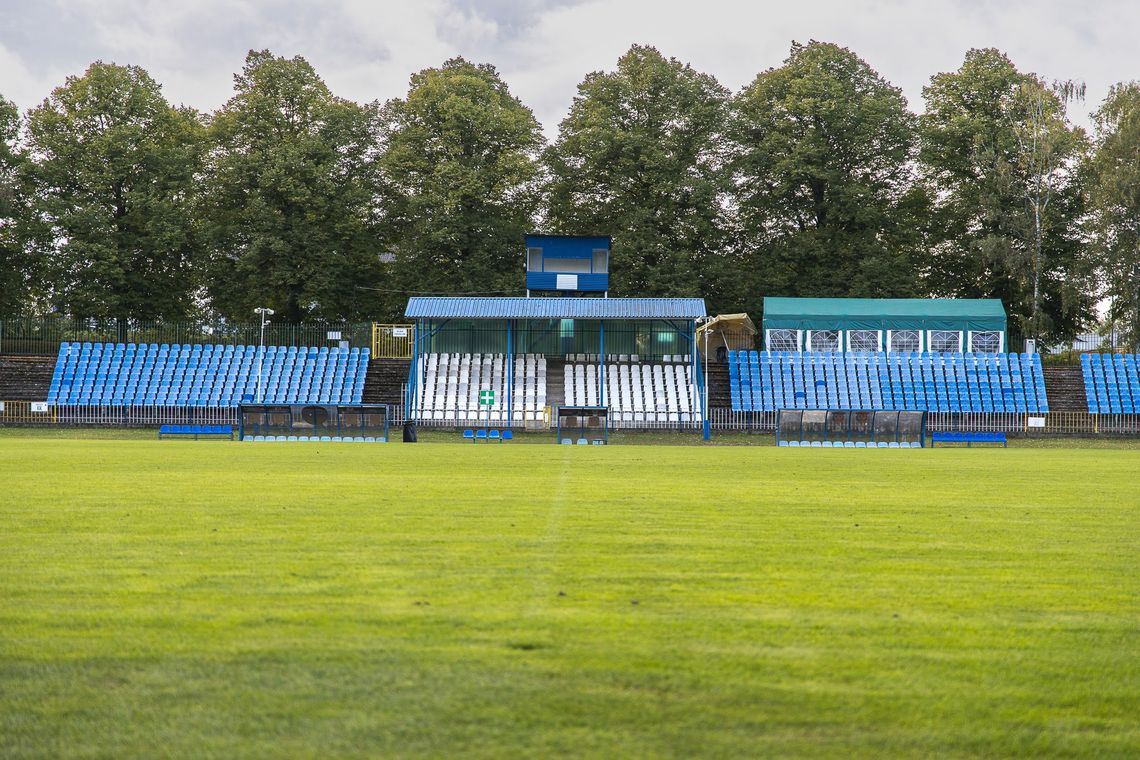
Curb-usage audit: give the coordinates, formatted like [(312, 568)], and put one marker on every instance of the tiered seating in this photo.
[(767, 381), (118, 374), (636, 392), (1112, 383), (452, 382)]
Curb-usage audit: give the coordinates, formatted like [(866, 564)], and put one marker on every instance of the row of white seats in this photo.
[(451, 385), (635, 392)]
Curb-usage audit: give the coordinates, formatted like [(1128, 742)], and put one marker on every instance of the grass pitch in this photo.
[(207, 599)]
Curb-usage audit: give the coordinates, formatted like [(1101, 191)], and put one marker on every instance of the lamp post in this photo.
[(705, 395), (264, 312)]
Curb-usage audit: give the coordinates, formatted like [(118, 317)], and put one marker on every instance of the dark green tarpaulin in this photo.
[(884, 314)]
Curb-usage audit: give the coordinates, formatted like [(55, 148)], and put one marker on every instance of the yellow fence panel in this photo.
[(392, 341), (27, 412)]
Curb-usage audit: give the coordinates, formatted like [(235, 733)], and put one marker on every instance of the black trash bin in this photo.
[(409, 432)]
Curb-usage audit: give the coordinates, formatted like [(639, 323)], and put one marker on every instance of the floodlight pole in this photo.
[(705, 399), (264, 312)]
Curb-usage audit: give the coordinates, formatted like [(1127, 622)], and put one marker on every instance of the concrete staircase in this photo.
[(25, 378), (385, 381), (719, 395), (1065, 388), (555, 383)]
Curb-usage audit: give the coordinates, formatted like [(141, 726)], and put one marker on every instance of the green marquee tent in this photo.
[(862, 323)]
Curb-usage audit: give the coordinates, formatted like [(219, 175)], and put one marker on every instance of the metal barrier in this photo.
[(42, 335), (22, 413), (393, 341), (27, 413)]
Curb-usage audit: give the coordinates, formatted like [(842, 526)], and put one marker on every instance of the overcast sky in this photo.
[(366, 49)]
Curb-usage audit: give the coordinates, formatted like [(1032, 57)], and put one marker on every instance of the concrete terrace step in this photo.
[(25, 378), (1065, 388)]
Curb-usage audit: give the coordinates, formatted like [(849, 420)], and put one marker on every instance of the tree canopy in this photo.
[(287, 205), (459, 182), (642, 157), (114, 168), (815, 179), (983, 170), (824, 175)]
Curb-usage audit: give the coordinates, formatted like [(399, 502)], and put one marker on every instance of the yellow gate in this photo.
[(392, 341)]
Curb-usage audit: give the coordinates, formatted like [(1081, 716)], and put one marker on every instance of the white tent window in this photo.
[(783, 340), (909, 341), (985, 341), (945, 341), (864, 340), (823, 340)]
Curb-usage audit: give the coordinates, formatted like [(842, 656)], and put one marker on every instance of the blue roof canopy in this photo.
[(433, 307)]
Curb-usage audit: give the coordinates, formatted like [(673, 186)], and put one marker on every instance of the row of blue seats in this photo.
[(483, 434), (763, 381), (853, 444), (1112, 383), (96, 349), (207, 377)]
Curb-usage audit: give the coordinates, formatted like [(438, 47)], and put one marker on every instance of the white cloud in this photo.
[(367, 50)]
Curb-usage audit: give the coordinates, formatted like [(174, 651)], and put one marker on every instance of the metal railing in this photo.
[(43, 335)]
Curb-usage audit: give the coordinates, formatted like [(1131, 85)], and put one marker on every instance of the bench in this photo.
[(968, 438), (197, 431), (487, 435)]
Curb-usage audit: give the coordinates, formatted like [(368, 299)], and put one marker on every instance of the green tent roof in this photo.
[(884, 313)]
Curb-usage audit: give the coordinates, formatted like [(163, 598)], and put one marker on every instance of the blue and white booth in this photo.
[(567, 263)]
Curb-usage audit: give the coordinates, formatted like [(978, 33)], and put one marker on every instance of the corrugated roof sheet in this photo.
[(554, 308)]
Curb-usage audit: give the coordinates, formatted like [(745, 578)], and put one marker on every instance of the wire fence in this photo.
[(42, 335)]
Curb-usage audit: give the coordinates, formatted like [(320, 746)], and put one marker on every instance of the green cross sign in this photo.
[(486, 398)]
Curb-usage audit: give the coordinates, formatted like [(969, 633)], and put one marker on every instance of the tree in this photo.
[(824, 178), (115, 166), (999, 156), (642, 156), (459, 182), (287, 207), (17, 263), (1115, 170)]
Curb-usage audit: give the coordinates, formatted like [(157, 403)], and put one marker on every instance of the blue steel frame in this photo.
[(426, 328)]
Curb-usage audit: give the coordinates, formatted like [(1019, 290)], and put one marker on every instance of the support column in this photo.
[(602, 362)]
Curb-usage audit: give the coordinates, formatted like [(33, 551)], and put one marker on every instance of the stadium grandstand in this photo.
[(509, 361), (634, 363), (118, 374)]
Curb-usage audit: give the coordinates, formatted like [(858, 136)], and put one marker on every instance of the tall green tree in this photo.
[(287, 208), (1000, 159), (824, 178), (1115, 191), (642, 156), (17, 261), (115, 167), (459, 182)]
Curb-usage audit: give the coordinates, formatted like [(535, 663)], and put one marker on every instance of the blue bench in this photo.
[(968, 438), (197, 431)]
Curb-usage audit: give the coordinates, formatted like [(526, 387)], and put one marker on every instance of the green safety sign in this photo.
[(486, 398)]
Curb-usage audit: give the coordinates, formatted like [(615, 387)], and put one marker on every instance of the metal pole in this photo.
[(264, 312), (707, 426)]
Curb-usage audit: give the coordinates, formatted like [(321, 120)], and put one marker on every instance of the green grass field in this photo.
[(195, 600)]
